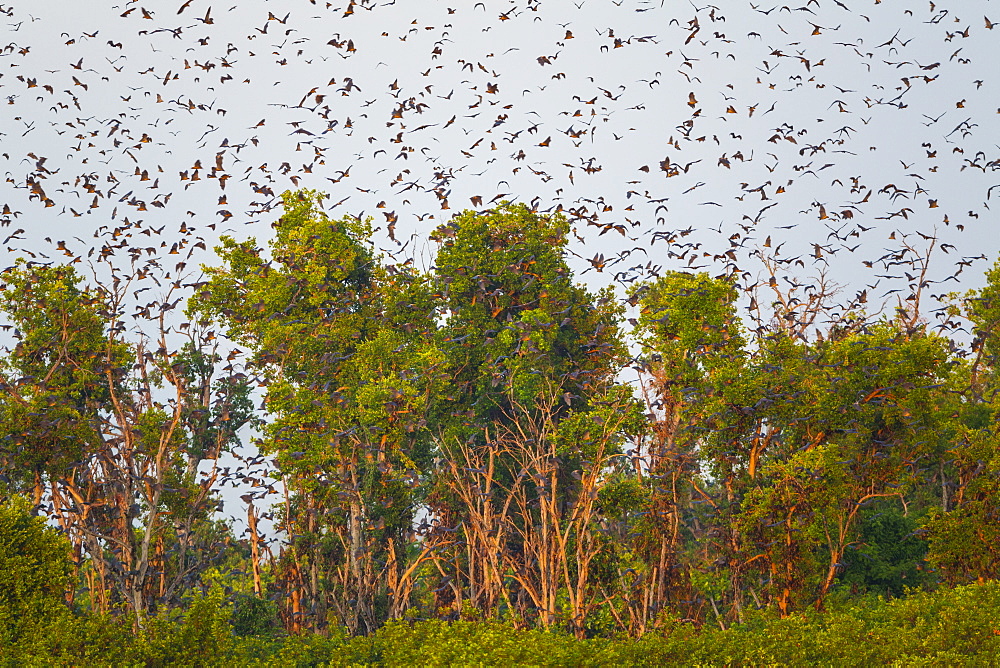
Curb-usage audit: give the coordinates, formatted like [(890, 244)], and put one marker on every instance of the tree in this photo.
[(108, 435), (343, 345), (56, 380), (794, 437), (853, 409), (965, 534), (533, 420), (693, 351)]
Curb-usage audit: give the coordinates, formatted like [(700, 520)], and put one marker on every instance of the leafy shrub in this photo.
[(889, 557), (34, 572), (202, 636), (254, 616)]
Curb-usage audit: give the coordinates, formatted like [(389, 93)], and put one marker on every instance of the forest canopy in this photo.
[(484, 439)]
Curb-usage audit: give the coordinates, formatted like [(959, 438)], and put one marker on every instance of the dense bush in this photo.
[(958, 626), (34, 572), (951, 627)]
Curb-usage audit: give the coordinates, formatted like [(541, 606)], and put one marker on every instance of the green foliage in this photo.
[(87, 433), (621, 496), (34, 573), (964, 543), (518, 327), (344, 343), (491, 643), (888, 557), (200, 636), (254, 616), (68, 640), (689, 321), (60, 373), (954, 626), (964, 534)]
